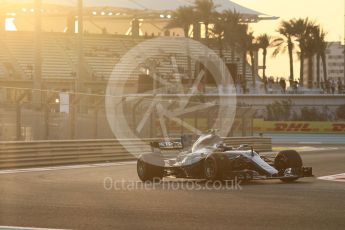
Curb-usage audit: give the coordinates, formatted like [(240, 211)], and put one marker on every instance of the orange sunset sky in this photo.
[(330, 14)]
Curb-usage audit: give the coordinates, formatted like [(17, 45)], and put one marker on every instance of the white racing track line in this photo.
[(24, 228), (337, 177), (309, 143), (59, 168), (305, 148)]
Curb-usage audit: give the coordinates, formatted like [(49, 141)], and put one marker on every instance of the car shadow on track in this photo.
[(203, 185)]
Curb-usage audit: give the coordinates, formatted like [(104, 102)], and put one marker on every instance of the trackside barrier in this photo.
[(53, 153), (315, 127)]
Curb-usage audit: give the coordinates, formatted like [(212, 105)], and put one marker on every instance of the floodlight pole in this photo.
[(37, 78), (75, 98), (79, 76), (38, 47), (344, 43)]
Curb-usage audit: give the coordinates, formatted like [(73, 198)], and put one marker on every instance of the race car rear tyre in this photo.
[(212, 168), (149, 172), (288, 159)]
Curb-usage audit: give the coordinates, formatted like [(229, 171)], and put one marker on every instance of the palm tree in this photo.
[(244, 41), (299, 27), (231, 31), (253, 47), (310, 51), (183, 17), (264, 41), (205, 10), (225, 29), (321, 46), (285, 42), (218, 31)]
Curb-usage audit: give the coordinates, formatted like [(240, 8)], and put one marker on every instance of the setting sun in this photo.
[(10, 24)]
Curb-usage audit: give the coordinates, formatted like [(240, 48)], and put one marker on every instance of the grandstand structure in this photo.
[(45, 49), (109, 32)]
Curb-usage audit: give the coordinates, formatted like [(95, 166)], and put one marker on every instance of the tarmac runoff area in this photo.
[(76, 197)]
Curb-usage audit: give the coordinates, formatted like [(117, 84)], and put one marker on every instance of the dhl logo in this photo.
[(338, 127), (303, 127), (307, 127)]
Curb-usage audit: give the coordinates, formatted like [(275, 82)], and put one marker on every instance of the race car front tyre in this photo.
[(149, 172), (288, 159), (212, 168)]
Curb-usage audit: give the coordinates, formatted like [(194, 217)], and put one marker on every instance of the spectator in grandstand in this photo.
[(10, 69), (167, 33), (282, 84), (328, 87), (295, 86), (322, 86), (270, 82), (30, 69), (333, 86), (340, 86), (244, 85), (265, 84)]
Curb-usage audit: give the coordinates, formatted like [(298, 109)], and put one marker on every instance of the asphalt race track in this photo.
[(78, 199)]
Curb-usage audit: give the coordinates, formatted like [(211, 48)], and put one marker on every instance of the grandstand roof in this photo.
[(149, 5), (167, 5)]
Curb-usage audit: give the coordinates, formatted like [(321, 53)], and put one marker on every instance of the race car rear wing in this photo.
[(166, 145), (185, 142)]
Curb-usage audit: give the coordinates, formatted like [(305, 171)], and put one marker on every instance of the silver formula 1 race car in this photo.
[(209, 158)]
